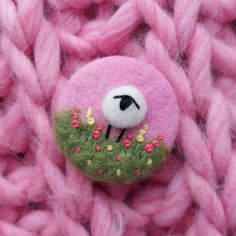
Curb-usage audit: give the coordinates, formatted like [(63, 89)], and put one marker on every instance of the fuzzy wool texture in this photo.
[(119, 164), (191, 44)]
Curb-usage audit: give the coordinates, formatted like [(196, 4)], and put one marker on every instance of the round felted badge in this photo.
[(116, 119)]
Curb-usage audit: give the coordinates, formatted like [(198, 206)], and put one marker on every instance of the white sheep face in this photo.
[(124, 107)]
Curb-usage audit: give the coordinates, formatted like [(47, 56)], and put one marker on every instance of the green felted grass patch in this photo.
[(92, 157)]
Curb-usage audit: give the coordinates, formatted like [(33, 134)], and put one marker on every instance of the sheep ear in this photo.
[(136, 104)]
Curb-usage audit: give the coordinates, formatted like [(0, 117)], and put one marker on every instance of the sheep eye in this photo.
[(126, 101), (124, 107)]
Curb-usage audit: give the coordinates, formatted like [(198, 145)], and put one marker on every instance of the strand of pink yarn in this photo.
[(192, 43)]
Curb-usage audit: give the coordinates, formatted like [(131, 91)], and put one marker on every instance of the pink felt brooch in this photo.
[(116, 119)]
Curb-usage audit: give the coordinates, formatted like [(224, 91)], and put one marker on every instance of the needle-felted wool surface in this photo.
[(94, 89), (62, 54)]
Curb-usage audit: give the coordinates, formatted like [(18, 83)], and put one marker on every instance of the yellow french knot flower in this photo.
[(89, 162), (145, 127), (118, 172), (142, 132), (140, 138), (109, 148), (149, 162), (91, 121), (89, 112)]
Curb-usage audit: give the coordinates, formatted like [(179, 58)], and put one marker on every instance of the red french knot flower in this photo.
[(98, 149), (118, 158), (99, 127), (160, 137), (137, 172), (155, 143), (75, 124), (78, 149), (127, 143), (130, 137), (148, 148), (75, 115), (96, 134), (100, 171)]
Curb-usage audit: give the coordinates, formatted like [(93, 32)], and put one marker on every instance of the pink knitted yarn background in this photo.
[(192, 43)]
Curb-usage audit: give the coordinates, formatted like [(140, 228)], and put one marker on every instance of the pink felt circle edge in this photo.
[(89, 84)]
